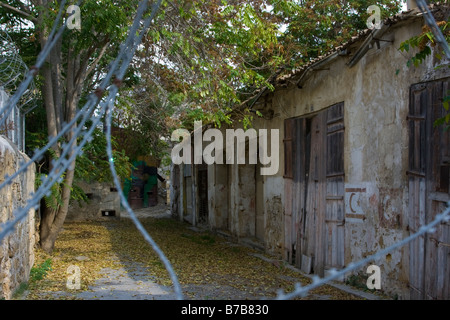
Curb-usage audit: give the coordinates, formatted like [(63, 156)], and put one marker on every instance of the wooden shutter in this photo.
[(289, 235), (437, 250), (334, 196), (288, 148), (203, 193), (428, 178), (416, 176), (294, 153)]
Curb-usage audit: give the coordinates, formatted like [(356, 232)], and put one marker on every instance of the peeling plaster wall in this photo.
[(17, 248), (375, 93), (245, 203), (376, 146), (272, 190), (218, 196), (242, 200), (103, 197)]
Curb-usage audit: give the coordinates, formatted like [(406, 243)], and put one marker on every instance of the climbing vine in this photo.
[(424, 43)]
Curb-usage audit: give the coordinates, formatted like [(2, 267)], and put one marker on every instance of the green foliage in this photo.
[(94, 165), (40, 271), (20, 290), (317, 26), (53, 199), (423, 44), (445, 120), (91, 165), (210, 57), (139, 123)]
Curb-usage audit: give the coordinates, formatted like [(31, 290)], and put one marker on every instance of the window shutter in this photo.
[(288, 148)]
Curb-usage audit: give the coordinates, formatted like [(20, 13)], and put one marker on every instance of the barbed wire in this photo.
[(119, 65), (13, 70), (72, 149), (431, 22), (430, 228), (24, 85), (335, 274)]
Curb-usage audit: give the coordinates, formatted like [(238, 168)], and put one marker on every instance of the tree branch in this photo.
[(24, 8), (22, 13), (97, 60)]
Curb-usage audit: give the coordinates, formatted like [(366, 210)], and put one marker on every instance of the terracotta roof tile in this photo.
[(390, 21)]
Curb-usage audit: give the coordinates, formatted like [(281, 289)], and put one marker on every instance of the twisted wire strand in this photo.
[(42, 56), (431, 22), (61, 164), (334, 274), (430, 228), (69, 152)]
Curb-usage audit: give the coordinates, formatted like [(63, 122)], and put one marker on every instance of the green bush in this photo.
[(40, 271)]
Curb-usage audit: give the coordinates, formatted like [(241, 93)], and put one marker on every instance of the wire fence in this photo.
[(105, 107), (12, 72), (72, 149)]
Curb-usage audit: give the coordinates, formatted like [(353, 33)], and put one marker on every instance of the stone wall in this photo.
[(376, 95), (17, 248), (104, 203)]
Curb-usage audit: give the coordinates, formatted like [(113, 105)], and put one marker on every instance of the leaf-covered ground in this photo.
[(208, 266)]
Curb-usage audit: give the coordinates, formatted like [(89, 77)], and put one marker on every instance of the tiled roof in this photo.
[(405, 15)]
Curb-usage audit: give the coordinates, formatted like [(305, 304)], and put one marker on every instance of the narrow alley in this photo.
[(115, 263)]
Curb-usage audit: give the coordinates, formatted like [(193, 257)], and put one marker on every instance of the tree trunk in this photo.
[(53, 219), (63, 75), (46, 235), (61, 92)]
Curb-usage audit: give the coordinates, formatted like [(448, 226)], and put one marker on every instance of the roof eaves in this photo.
[(366, 36)]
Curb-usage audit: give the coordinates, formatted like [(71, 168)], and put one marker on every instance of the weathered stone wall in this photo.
[(103, 201), (16, 249), (375, 93)]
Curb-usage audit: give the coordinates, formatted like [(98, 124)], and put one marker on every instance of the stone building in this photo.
[(17, 248), (103, 202), (361, 165)]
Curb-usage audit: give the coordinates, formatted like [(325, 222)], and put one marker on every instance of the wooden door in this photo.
[(428, 175), (259, 203), (203, 193), (289, 228), (314, 202), (315, 190), (334, 197), (175, 190), (187, 192), (296, 145)]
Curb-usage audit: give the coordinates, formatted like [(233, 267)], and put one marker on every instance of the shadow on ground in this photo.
[(121, 265)]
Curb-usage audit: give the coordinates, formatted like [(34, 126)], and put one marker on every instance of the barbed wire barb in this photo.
[(98, 106)]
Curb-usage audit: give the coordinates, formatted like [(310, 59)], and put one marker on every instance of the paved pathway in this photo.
[(123, 284), (132, 282)]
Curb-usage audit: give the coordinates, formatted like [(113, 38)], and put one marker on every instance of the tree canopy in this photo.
[(200, 60)]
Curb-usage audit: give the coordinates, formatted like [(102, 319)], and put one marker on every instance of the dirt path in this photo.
[(124, 277)]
